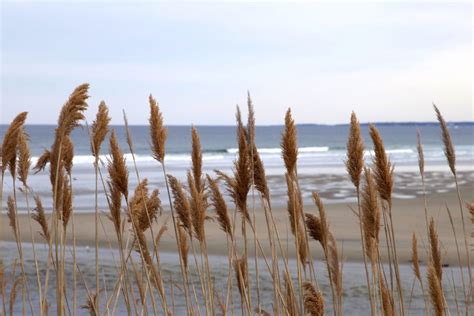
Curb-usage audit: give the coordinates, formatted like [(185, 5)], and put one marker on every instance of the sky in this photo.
[(387, 61)]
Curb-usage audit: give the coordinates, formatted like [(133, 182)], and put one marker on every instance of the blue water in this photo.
[(322, 151)]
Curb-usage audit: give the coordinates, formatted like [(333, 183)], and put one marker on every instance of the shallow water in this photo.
[(355, 290)]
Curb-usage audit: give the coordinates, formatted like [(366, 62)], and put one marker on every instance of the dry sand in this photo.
[(408, 217)]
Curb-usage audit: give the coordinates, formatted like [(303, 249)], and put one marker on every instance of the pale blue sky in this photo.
[(386, 61)]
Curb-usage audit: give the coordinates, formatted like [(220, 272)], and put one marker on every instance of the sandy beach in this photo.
[(408, 215)]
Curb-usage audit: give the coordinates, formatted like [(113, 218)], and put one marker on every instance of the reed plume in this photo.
[(355, 152), (435, 250), (421, 155), (414, 257), (435, 290), (218, 202), (10, 143), (40, 217), (66, 204), (290, 297), (12, 216), (67, 154), (383, 169), (73, 111), (99, 128), (448, 144), (314, 227), (198, 206), (289, 144), (115, 207), (242, 175), (183, 245), (181, 203), (157, 130), (196, 158), (143, 206), (370, 215), (313, 300), (24, 159), (118, 171), (241, 274), (386, 298)]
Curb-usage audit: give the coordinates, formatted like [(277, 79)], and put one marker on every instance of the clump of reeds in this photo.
[(190, 207)]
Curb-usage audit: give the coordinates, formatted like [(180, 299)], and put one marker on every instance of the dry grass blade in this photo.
[(448, 144), (414, 257), (13, 295), (158, 132), (10, 143), (370, 215), (435, 250), (99, 128), (313, 300), (24, 159), (118, 171), (383, 169), (40, 217), (355, 152), (91, 304), (289, 144), (218, 202), (436, 293)]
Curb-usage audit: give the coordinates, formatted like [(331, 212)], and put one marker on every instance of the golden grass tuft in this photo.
[(370, 215), (99, 128), (435, 291), (435, 250), (449, 151), (383, 169), (10, 143), (355, 152), (12, 214), (313, 300), (289, 144), (218, 202), (181, 203), (117, 168), (157, 130), (24, 159), (414, 257), (40, 217), (143, 206)]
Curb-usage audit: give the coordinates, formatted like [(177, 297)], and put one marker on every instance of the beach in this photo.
[(408, 216)]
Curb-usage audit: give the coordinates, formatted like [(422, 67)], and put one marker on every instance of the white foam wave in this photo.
[(278, 150)]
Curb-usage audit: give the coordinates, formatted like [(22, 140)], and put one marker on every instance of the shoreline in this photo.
[(408, 216)]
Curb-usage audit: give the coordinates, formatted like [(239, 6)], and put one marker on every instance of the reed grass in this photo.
[(140, 284)]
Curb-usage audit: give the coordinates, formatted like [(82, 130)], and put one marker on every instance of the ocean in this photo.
[(322, 151)]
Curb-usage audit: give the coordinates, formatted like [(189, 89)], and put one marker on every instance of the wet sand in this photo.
[(408, 216)]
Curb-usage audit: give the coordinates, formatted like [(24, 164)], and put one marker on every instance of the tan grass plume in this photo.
[(10, 143), (383, 169), (448, 144), (99, 128), (313, 300), (157, 131), (355, 152), (219, 204), (289, 143)]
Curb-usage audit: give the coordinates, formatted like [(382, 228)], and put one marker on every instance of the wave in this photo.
[(277, 150)]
